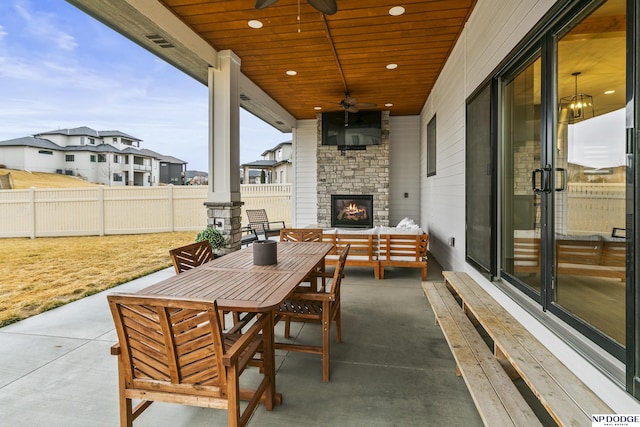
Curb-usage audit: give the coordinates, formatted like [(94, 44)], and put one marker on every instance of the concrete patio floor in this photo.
[(393, 368)]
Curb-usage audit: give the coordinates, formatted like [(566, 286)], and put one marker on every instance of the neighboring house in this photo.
[(172, 170), (103, 157), (275, 163), (194, 177)]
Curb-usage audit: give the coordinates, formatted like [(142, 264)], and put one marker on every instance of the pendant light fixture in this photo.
[(578, 106)]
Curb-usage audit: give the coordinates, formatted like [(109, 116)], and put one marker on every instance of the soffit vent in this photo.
[(159, 40), (244, 97)]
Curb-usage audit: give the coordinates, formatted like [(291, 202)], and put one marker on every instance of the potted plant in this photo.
[(213, 236)]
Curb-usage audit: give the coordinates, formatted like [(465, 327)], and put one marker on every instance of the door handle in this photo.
[(544, 175), (534, 181), (563, 179)]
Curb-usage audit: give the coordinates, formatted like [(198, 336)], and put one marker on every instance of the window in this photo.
[(47, 152), (69, 158), (431, 147), (92, 141), (478, 176), (115, 140), (117, 177), (102, 158), (92, 158), (126, 160), (116, 158)]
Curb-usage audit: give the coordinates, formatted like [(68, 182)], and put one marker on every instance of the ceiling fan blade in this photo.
[(352, 109), (261, 4), (328, 7), (365, 105)]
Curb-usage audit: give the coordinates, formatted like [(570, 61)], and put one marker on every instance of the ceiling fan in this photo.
[(351, 105), (328, 7)]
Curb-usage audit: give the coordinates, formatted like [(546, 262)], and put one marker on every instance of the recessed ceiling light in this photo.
[(291, 72), (392, 66), (254, 23), (317, 108), (609, 92), (388, 104), (396, 11)]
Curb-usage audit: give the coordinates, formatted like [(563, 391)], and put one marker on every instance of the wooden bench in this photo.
[(363, 250), (495, 395), (403, 250), (380, 251), (599, 258), (567, 399)]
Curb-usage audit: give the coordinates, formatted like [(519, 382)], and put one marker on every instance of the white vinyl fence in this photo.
[(124, 210), (595, 207)]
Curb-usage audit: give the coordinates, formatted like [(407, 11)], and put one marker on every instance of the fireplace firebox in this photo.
[(352, 211)]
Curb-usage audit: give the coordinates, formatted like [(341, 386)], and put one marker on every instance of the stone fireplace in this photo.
[(351, 211), (353, 173)]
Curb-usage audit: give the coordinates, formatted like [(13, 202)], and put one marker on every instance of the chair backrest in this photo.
[(301, 235), (338, 273), (258, 219), (187, 257), (169, 345)]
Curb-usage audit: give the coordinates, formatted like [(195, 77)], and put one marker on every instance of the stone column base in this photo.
[(226, 217)]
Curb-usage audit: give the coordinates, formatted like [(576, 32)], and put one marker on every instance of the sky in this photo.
[(60, 68)]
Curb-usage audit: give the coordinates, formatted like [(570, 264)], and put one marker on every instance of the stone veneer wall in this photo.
[(354, 172)]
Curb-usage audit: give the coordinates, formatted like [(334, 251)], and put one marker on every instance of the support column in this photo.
[(223, 201)]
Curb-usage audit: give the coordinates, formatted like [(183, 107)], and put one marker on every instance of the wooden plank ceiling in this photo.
[(347, 51)]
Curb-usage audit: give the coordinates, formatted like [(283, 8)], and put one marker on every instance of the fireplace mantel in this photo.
[(361, 172)]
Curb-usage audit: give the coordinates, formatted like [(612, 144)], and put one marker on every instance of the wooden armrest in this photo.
[(244, 321), (311, 296), (232, 355), (115, 349)]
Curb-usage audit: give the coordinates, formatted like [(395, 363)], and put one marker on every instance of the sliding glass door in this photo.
[(590, 164), (563, 172)]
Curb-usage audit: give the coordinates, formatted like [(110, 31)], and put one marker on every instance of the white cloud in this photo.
[(3, 33), (43, 25)]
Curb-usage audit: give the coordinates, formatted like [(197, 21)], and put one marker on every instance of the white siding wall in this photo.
[(305, 202), (37, 162), (13, 157), (493, 30), (404, 167), (443, 193)]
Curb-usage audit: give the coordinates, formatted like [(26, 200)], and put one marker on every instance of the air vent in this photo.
[(279, 122), (244, 97), (159, 40)]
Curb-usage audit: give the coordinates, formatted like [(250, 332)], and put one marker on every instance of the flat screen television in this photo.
[(361, 129)]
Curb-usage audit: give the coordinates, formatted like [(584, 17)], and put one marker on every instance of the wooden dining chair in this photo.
[(192, 255), (323, 307), (259, 221), (187, 257), (301, 235), (173, 350), (306, 235)]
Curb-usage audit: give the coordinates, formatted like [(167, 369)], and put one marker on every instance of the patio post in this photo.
[(223, 201)]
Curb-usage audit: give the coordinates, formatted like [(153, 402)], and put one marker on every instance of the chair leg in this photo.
[(338, 324), (221, 314), (233, 395), (287, 327), (126, 405), (326, 335)]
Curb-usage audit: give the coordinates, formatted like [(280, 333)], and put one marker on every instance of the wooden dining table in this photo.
[(239, 286)]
